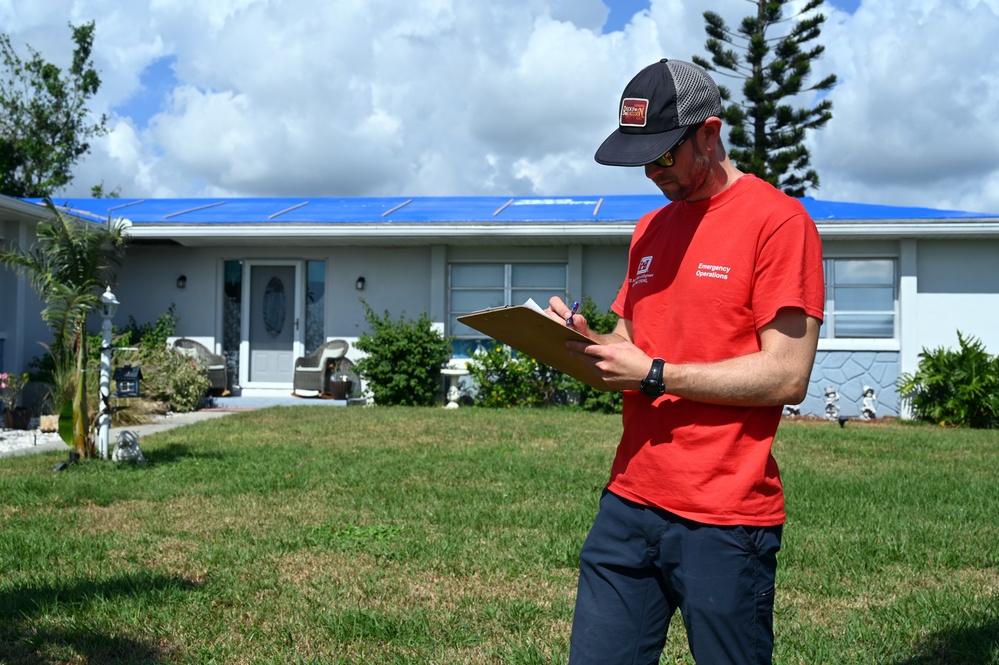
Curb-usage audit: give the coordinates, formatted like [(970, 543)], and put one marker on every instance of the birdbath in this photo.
[(453, 394)]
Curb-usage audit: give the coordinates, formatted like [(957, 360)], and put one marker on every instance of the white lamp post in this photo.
[(109, 305)]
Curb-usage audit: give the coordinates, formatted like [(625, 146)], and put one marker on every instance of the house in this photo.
[(265, 280)]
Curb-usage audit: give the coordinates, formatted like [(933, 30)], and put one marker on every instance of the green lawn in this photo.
[(392, 535)]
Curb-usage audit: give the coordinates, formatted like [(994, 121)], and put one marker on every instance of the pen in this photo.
[(575, 308)]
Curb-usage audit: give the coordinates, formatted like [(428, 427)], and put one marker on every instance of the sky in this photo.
[(309, 98)]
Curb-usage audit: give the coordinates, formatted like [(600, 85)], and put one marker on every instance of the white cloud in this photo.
[(913, 118), (443, 97)]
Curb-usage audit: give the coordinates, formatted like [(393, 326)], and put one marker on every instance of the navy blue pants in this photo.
[(639, 565)]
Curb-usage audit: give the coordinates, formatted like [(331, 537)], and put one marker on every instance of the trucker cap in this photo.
[(657, 107)]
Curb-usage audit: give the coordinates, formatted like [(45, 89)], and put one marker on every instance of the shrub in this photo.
[(11, 387), (591, 399), (506, 379), (170, 381), (176, 381), (955, 388), (404, 359), (151, 335)]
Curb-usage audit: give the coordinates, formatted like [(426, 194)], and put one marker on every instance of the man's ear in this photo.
[(710, 133)]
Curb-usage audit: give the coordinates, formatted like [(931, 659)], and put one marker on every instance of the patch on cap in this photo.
[(634, 112)]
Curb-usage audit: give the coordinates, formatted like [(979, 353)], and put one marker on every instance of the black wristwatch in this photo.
[(653, 384)]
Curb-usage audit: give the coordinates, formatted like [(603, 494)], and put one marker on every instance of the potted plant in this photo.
[(340, 379), (15, 416)]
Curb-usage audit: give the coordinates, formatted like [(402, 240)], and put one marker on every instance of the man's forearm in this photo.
[(776, 375), (758, 379)]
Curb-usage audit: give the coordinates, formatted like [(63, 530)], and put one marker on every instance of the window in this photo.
[(861, 298), (232, 313), (315, 305), (477, 286)]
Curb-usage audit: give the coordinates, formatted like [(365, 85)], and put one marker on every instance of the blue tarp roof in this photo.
[(454, 209)]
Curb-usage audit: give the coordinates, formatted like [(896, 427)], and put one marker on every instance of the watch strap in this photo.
[(653, 384)]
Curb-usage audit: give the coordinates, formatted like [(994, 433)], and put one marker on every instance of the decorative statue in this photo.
[(126, 448), (453, 395), (832, 403), (869, 408)]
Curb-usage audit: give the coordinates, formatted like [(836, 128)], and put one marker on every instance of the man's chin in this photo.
[(670, 191)]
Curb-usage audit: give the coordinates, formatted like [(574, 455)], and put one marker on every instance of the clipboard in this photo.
[(530, 331)]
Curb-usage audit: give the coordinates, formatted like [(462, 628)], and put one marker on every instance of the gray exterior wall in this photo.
[(605, 270), (849, 373), (21, 324), (944, 285), (957, 288)]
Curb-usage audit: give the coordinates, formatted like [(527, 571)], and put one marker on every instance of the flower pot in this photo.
[(340, 389), (48, 423), (17, 418)]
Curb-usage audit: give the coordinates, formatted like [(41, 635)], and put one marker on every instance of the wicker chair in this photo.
[(215, 365), (312, 371)]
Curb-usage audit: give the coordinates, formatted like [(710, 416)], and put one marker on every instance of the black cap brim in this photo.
[(623, 148)]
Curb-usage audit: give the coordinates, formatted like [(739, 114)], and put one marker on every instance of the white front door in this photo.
[(273, 323)]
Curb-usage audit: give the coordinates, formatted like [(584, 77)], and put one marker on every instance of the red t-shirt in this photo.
[(703, 277)]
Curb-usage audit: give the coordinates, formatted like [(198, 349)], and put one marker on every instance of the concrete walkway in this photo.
[(27, 442)]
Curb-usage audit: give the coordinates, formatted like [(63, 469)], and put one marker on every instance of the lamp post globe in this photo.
[(109, 304)]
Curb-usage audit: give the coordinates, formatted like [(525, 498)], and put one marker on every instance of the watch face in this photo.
[(653, 385), (652, 388)]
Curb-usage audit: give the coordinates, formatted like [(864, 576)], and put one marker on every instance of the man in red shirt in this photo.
[(719, 321)]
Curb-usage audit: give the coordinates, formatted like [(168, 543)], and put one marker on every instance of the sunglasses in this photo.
[(667, 159)]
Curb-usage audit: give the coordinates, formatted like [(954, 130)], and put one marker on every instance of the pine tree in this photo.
[(766, 133)]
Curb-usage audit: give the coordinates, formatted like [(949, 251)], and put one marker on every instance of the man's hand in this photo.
[(614, 357), (621, 364), (561, 312)]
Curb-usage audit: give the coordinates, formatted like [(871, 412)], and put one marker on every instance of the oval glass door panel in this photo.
[(275, 304)]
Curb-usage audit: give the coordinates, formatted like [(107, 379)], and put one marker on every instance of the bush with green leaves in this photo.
[(506, 379), (170, 380), (151, 335), (591, 399), (404, 359), (177, 381), (955, 388)]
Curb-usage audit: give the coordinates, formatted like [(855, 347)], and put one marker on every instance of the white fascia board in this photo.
[(906, 228), (380, 231), (962, 228), (18, 210)]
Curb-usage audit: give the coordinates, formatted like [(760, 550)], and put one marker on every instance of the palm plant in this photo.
[(68, 266)]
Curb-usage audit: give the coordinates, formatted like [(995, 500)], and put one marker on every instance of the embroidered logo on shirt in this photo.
[(642, 273)]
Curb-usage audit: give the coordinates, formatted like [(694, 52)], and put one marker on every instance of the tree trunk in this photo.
[(82, 442)]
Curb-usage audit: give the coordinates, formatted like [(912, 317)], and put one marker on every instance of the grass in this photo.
[(305, 535)]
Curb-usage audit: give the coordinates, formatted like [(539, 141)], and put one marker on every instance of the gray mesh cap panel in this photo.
[(697, 95)]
